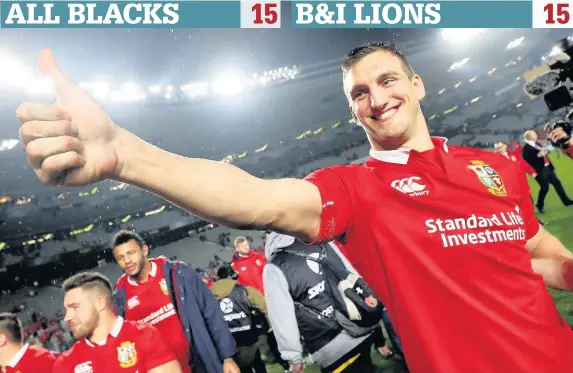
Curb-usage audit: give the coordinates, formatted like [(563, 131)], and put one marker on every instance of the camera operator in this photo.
[(536, 156), (560, 136)]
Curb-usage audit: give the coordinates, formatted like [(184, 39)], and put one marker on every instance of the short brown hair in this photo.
[(358, 53), (239, 240), (11, 325), (124, 236), (88, 280)]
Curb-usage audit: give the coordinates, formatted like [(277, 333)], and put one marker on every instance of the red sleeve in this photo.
[(526, 207), (262, 259), (336, 218), (155, 350), (527, 167)]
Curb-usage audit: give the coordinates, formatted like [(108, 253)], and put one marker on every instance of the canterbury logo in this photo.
[(410, 186)]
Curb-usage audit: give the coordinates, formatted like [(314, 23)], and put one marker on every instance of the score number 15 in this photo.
[(557, 13), (265, 13)]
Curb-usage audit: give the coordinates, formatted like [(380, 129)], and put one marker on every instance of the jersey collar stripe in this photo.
[(152, 273), (16, 359), (114, 332), (401, 156)]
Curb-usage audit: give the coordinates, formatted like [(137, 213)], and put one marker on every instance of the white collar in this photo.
[(532, 143), (152, 273), (401, 155), (114, 332), (16, 359)]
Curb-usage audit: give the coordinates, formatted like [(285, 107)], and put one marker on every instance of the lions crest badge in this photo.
[(126, 354), (489, 177), (163, 285)]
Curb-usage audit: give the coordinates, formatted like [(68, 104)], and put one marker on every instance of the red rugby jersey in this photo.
[(250, 269), (150, 303), (440, 237), (31, 359), (129, 348)]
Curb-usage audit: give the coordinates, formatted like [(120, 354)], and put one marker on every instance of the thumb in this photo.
[(48, 66)]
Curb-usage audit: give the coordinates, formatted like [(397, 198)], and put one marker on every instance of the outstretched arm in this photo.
[(74, 142), (219, 192)]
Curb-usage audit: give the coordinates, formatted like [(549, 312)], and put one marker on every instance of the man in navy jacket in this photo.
[(171, 296)]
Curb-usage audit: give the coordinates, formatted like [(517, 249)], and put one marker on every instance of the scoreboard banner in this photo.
[(287, 14)]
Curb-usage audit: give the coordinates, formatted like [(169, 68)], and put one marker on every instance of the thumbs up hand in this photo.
[(72, 142)]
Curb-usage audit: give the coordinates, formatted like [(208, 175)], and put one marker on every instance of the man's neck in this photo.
[(143, 275), (106, 323), (415, 138), (8, 352)]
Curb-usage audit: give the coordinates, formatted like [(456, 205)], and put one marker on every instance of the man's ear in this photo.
[(419, 87)]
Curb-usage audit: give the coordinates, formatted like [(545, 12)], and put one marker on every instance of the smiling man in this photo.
[(107, 343), (171, 296), (465, 286)]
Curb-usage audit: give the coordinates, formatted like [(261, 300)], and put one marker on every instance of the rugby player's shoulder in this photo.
[(65, 356), (133, 326), (342, 171), (121, 281), (474, 154)]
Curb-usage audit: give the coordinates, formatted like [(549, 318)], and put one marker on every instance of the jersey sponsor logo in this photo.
[(313, 265), (133, 302), (327, 311), (235, 316), (163, 286), (316, 290), (126, 354), (161, 314), (85, 367), (488, 177), (226, 305), (475, 230), (411, 186), (243, 328)]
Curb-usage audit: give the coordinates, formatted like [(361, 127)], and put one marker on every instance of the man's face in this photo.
[(130, 257), (383, 99), (500, 147), (243, 248), (81, 312)]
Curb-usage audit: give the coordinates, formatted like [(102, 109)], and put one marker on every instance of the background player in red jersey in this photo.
[(486, 306), (248, 264), (514, 155), (17, 356), (172, 297), (106, 343)]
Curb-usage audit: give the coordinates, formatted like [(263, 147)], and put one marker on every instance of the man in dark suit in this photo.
[(536, 156)]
